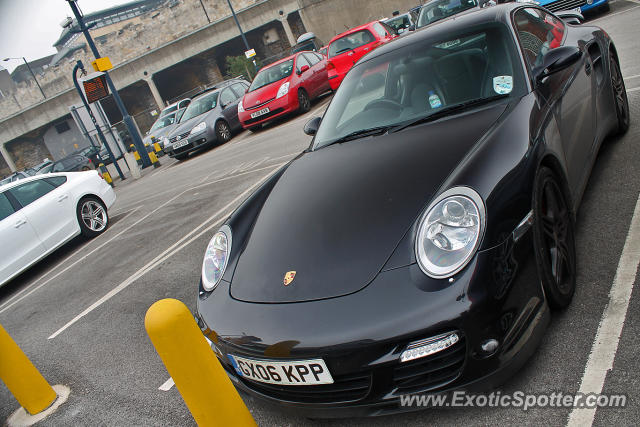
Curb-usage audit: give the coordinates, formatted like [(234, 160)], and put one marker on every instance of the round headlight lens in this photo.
[(450, 232), (215, 258)]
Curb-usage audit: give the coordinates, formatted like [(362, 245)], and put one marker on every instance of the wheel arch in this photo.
[(550, 161)]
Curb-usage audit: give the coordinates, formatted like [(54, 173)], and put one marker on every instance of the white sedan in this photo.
[(40, 213)]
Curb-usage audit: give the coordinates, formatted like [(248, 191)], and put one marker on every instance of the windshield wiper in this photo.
[(447, 111), (379, 130)]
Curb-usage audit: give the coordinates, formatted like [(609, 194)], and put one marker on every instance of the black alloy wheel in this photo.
[(304, 101), (223, 132), (554, 240), (620, 94)]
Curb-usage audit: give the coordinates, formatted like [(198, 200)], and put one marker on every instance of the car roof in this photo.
[(457, 22), (33, 178), (353, 30), (218, 86)]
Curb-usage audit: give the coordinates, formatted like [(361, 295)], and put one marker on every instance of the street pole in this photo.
[(79, 66), (32, 74), (126, 118), (244, 39)]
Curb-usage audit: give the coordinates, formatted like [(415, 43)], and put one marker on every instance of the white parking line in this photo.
[(635, 89), (30, 289), (605, 345), (610, 15), (166, 386), (170, 251)]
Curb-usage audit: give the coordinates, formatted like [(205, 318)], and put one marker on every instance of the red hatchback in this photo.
[(278, 90), (345, 49)]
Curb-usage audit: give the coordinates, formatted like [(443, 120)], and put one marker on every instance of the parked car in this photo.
[(15, 176), (347, 48), (34, 170), (40, 213), (210, 118), (284, 87), (74, 162), (183, 103), (402, 23), (163, 127), (418, 244), (307, 41)]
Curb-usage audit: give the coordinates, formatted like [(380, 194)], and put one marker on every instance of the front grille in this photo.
[(564, 5), (260, 105), (265, 116), (182, 136), (430, 372), (346, 388)]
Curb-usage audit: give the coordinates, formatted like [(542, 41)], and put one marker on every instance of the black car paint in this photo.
[(497, 295)]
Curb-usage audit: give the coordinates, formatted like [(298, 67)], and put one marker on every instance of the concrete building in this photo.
[(167, 53)]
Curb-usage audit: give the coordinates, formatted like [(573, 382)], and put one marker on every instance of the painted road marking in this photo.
[(17, 297), (635, 89), (166, 386), (171, 250), (605, 345), (610, 15)]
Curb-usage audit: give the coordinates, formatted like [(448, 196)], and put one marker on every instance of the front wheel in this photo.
[(554, 240), (92, 216), (620, 96), (223, 132), (303, 101)]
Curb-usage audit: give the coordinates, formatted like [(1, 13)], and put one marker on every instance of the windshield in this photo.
[(163, 122), (169, 109), (350, 41), (399, 23), (201, 105), (272, 74), (439, 9), (305, 45), (424, 78)]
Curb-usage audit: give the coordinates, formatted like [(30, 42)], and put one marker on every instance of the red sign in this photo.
[(96, 88)]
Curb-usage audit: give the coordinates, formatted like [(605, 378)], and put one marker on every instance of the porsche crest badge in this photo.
[(288, 278)]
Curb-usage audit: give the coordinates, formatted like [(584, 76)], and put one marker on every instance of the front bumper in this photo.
[(596, 4), (194, 142), (277, 108), (361, 336)]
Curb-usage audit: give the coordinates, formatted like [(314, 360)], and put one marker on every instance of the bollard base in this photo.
[(21, 418)]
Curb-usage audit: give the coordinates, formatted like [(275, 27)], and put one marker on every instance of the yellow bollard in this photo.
[(196, 371), (22, 379), (154, 159), (156, 147), (105, 174), (136, 155)]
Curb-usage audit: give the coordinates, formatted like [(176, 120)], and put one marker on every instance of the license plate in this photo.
[(259, 113), (179, 144), (290, 372)]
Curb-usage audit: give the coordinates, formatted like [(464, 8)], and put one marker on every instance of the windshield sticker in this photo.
[(503, 84), (449, 44)]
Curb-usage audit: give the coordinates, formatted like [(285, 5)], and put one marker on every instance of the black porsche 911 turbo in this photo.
[(418, 243)]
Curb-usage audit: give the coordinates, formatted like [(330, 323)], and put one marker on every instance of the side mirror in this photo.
[(556, 60), (311, 127), (303, 69)]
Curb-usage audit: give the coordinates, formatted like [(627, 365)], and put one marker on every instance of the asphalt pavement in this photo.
[(79, 315)]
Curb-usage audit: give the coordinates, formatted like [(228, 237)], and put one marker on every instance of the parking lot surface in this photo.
[(79, 315)]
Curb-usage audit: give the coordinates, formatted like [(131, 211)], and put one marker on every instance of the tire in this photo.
[(605, 8), (554, 239), (619, 96), (303, 101), (85, 168), (181, 156), (223, 132), (92, 216), (255, 129)]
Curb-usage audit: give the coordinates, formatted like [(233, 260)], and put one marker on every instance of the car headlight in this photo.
[(450, 232), (284, 89), (240, 107), (198, 128), (215, 258)]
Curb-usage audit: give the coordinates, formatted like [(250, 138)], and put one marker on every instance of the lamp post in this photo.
[(126, 118), (31, 71), (244, 39)]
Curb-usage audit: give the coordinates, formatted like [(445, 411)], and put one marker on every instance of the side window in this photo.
[(311, 58), (300, 62), (56, 181), (58, 167), (6, 208), (539, 32), (239, 89), (31, 191), (227, 97), (319, 56), (378, 28)]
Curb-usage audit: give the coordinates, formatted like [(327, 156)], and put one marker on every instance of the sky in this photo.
[(30, 27)]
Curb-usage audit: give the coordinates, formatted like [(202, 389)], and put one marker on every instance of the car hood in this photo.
[(187, 125), (263, 94), (336, 215)]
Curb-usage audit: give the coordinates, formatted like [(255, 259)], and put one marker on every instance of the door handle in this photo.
[(61, 198), (587, 68), (19, 223)]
